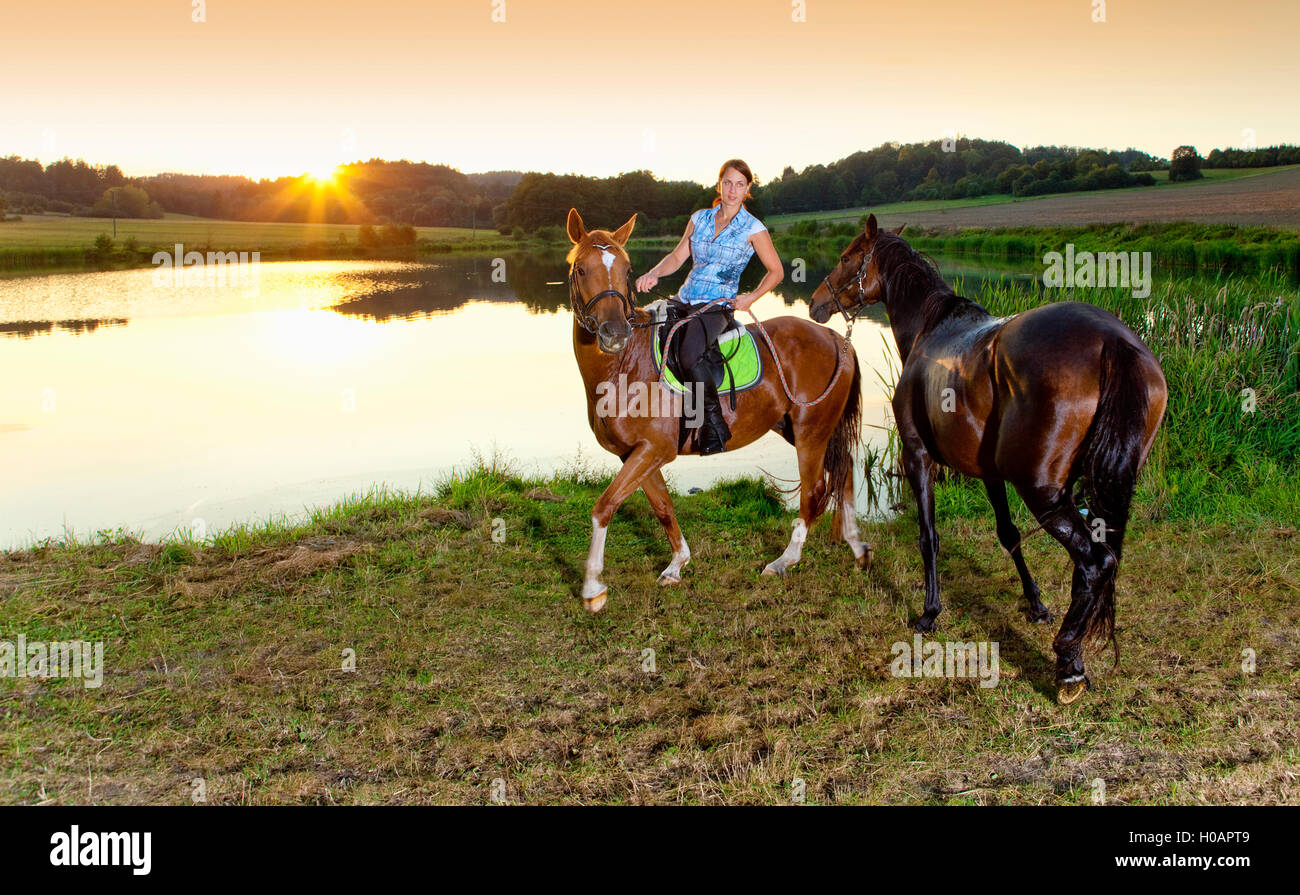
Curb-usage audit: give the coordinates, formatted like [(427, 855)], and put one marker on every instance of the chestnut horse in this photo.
[(1041, 399), (612, 342)]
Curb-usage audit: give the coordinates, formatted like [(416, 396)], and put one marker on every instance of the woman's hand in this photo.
[(742, 301), (646, 282)]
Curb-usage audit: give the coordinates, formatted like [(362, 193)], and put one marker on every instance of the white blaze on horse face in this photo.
[(607, 258)]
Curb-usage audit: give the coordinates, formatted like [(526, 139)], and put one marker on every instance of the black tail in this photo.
[(1112, 456), (839, 450)]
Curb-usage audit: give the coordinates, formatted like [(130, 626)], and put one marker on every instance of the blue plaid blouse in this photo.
[(717, 263)]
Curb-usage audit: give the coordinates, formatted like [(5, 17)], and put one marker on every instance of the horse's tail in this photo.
[(1109, 464), (839, 450)]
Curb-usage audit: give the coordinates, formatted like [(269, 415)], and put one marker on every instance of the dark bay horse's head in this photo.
[(855, 281), (600, 282)]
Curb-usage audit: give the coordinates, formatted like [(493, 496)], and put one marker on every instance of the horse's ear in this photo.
[(577, 230), (622, 233), (898, 231), (872, 227)]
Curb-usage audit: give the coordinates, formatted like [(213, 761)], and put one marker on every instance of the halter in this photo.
[(835, 294), (582, 311)]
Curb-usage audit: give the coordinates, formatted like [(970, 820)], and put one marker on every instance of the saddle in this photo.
[(732, 359)]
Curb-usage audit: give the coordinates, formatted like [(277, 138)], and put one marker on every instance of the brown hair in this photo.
[(739, 165)]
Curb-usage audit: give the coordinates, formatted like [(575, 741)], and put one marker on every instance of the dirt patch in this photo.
[(281, 565)]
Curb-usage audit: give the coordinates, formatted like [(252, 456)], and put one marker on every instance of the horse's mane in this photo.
[(913, 276)]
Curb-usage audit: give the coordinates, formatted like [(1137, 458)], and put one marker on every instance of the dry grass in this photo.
[(475, 662)]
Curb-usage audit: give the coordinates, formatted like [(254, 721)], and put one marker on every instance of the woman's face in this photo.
[(732, 187)]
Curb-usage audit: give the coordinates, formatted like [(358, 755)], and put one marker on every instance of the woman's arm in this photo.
[(670, 262), (762, 243)]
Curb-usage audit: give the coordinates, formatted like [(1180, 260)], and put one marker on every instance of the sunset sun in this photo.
[(323, 176)]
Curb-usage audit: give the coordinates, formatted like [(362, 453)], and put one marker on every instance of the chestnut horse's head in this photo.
[(600, 282), (855, 281)]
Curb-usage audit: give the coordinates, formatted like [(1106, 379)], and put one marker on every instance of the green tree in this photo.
[(1185, 164), (125, 202)]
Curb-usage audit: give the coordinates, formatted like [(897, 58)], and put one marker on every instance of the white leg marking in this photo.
[(850, 524), (792, 552), (673, 574), (595, 561)]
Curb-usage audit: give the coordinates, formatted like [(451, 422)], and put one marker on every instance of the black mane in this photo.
[(912, 277)]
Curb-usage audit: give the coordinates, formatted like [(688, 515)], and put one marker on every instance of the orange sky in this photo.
[(268, 87)]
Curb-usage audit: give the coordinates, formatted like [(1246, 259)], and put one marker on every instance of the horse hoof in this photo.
[(596, 603), (924, 625), (770, 571), (863, 562), (666, 580), (1042, 618), (1068, 693)]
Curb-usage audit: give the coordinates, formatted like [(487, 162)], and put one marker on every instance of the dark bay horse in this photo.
[(611, 340), (1061, 393)]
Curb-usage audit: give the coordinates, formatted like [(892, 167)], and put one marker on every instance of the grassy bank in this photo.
[(29, 261), (44, 243), (475, 663), (1181, 247), (1195, 248), (50, 243), (1223, 454)]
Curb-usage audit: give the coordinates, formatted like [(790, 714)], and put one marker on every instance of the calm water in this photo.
[(127, 404)]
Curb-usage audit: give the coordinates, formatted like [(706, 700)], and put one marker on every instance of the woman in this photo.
[(719, 241)]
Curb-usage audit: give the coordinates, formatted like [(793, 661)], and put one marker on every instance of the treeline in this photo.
[(372, 192), (376, 191), (662, 206), (1267, 157), (65, 186), (418, 194), (955, 169)]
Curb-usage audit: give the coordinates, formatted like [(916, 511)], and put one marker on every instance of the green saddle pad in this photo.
[(739, 349)]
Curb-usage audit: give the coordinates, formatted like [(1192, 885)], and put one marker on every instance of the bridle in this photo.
[(582, 310), (835, 294)]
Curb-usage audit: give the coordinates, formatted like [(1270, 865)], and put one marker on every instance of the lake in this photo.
[(161, 408)]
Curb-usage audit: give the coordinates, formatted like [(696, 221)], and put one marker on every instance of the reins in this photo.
[(582, 311), (780, 368), (835, 295)]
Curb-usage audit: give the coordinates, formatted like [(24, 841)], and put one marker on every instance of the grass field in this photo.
[(55, 231), (1249, 196), (474, 662)]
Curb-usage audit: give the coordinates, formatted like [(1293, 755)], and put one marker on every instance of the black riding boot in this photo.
[(714, 433)]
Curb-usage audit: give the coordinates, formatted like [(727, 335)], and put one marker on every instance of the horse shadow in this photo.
[(1002, 619), (633, 523)]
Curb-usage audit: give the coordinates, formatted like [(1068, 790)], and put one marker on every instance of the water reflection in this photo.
[(161, 409), (26, 329), (81, 303)]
